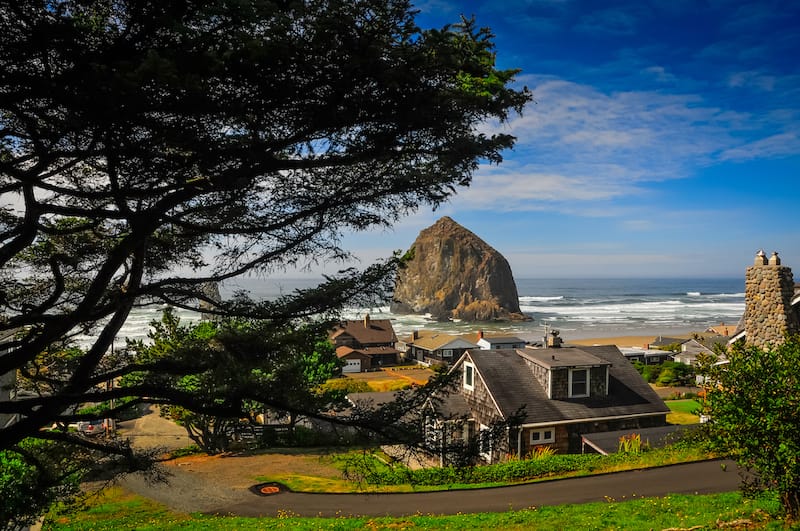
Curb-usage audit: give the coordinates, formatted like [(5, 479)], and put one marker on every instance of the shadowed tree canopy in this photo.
[(147, 148)]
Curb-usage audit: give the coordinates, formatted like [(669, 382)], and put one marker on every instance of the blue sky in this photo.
[(664, 141)]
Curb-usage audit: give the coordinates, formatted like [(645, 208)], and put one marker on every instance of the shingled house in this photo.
[(431, 347), (566, 393), (365, 344)]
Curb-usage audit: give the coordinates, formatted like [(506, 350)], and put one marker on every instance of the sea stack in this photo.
[(453, 274)]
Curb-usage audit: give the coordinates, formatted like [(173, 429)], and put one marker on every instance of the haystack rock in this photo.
[(453, 274)]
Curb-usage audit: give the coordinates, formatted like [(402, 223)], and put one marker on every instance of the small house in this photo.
[(563, 394), (365, 344)]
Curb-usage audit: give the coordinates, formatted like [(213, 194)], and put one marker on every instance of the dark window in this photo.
[(579, 382), (469, 376)]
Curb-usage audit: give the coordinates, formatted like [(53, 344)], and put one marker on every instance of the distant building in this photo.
[(365, 344), (494, 341), (434, 347)]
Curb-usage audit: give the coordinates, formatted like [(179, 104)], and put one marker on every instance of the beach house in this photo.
[(365, 344), (558, 395)]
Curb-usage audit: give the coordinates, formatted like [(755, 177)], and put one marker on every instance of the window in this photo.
[(447, 353), (432, 433), (543, 436), (469, 376), (578, 383), (485, 443)]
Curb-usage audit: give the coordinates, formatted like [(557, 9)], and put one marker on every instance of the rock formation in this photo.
[(453, 274)]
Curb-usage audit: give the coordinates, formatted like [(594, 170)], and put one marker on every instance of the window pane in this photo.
[(579, 383)]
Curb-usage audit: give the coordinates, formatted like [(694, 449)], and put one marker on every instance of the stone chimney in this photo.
[(768, 314)]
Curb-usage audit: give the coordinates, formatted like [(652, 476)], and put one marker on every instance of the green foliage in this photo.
[(33, 476), (238, 368), (632, 444), (513, 470), (669, 373), (256, 133), (754, 409), (118, 510)]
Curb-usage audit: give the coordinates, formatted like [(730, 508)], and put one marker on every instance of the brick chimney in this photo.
[(480, 335), (768, 313)]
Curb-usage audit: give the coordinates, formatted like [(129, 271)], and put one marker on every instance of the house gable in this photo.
[(483, 406), (511, 382), (364, 333)]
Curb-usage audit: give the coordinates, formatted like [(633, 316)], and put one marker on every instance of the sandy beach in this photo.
[(620, 341)]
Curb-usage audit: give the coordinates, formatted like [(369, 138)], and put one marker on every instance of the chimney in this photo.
[(768, 312), (366, 321), (480, 335)]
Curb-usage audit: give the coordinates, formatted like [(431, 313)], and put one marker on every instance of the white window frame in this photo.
[(469, 368), (588, 374), (447, 353), (541, 432), (485, 443)]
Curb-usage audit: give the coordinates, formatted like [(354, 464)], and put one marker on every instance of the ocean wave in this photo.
[(693, 293), (540, 299)]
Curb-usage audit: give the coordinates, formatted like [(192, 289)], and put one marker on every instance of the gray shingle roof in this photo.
[(512, 385)]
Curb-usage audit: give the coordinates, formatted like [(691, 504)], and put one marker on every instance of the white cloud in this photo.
[(529, 188), (779, 145), (753, 79)]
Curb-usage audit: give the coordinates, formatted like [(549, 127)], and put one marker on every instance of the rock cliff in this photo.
[(453, 274)]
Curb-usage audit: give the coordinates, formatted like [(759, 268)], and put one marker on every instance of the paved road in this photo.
[(692, 478), (185, 493)]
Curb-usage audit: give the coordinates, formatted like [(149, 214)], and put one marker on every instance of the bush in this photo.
[(513, 470), (669, 373), (346, 386)]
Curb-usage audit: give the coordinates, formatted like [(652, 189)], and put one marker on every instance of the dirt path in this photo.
[(152, 431)]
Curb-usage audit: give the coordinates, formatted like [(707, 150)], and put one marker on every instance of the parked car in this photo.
[(93, 427)]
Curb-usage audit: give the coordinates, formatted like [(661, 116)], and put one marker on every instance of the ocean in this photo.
[(578, 308)]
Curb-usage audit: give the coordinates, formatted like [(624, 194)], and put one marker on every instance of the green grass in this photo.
[(379, 476), (683, 411), (119, 510)]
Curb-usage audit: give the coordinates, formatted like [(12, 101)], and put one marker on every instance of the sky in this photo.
[(664, 140)]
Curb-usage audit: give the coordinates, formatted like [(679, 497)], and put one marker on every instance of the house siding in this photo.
[(560, 381), (539, 373), (480, 401)]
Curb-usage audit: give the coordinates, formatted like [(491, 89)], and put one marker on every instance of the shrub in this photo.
[(346, 385)]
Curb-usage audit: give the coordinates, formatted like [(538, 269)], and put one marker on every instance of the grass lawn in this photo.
[(393, 378), (119, 510), (683, 411)]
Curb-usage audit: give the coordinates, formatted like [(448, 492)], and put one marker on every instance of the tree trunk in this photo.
[(790, 500)]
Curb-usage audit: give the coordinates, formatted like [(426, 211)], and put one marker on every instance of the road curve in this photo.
[(690, 478)]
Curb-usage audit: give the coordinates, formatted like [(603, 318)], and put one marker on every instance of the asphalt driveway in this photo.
[(187, 495)]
